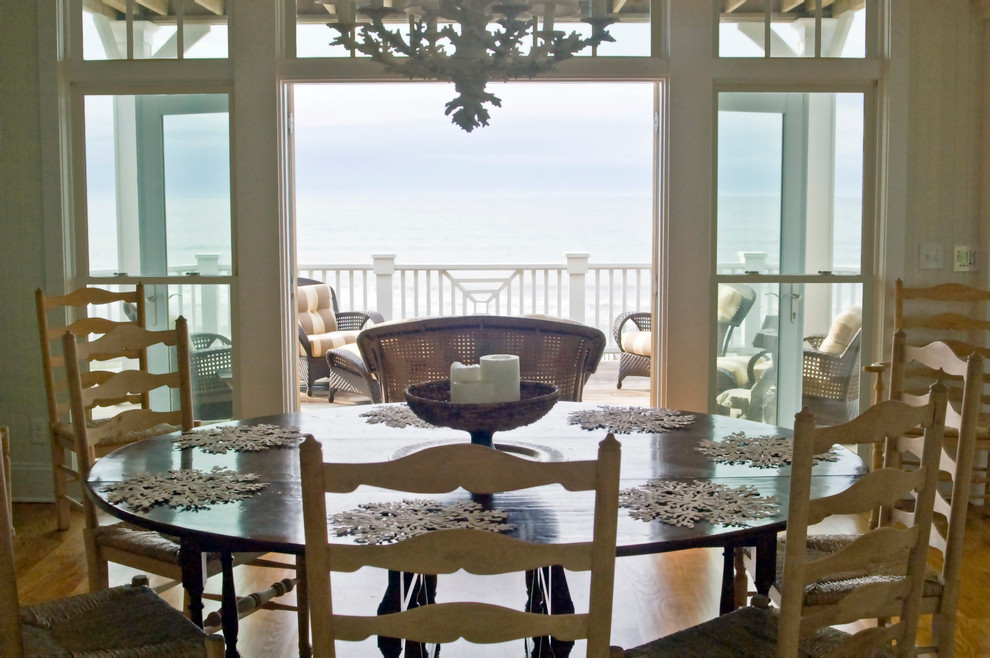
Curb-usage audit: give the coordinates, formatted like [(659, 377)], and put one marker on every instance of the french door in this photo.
[(789, 226), (158, 201)]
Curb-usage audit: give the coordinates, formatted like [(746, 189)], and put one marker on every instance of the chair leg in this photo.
[(61, 486), (97, 569), (302, 608)]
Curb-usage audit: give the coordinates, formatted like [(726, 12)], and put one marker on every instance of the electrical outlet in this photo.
[(930, 256), (964, 259), (39, 431)]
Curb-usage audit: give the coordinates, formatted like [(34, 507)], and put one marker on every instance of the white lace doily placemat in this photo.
[(187, 489), (394, 415), (766, 451), (383, 523), (684, 503), (239, 438), (626, 420)]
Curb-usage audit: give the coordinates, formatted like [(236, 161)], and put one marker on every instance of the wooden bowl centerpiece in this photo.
[(431, 402)]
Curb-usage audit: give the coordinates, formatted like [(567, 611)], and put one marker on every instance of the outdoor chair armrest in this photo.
[(346, 361), (640, 318), (303, 338), (751, 366), (348, 320)]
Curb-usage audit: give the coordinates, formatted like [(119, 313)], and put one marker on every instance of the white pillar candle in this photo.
[(471, 392), (502, 371), (462, 373), (466, 386)]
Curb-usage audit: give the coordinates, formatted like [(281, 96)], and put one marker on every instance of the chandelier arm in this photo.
[(477, 53)]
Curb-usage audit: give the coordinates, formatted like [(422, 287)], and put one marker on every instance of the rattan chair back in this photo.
[(557, 352)]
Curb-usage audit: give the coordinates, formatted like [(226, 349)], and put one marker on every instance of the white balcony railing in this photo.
[(592, 293), (576, 289)]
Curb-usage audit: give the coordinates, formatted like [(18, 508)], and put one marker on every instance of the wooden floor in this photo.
[(654, 595)]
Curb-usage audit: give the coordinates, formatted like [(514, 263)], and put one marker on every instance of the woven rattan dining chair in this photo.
[(798, 629), (92, 312), (481, 471), (130, 620), (557, 352)]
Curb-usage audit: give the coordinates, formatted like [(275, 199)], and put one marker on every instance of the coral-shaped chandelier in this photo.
[(469, 43)]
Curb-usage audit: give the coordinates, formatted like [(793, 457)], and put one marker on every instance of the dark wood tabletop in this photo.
[(272, 519)]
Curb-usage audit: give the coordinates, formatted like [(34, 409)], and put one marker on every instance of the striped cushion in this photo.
[(843, 330), (314, 307), (729, 300), (320, 344), (638, 342), (735, 366)]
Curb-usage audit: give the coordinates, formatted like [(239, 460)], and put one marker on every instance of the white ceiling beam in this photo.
[(160, 7), (218, 7)]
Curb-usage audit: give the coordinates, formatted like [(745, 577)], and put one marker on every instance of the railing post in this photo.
[(384, 265), (754, 261), (577, 270), (208, 265)]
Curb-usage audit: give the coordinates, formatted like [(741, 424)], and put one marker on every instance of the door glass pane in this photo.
[(789, 203), (197, 192), (158, 185), (749, 191), (790, 183)]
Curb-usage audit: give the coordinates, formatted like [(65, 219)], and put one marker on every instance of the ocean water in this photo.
[(472, 229)]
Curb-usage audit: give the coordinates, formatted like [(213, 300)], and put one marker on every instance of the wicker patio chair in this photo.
[(557, 352), (324, 327), (209, 364), (830, 370), (632, 331)]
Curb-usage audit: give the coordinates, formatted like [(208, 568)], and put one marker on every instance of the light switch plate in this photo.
[(964, 259), (930, 256)]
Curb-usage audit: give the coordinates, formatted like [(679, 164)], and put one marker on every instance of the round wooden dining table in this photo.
[(271, 520)]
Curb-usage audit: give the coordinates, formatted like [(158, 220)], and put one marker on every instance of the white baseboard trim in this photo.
[(32, 483)]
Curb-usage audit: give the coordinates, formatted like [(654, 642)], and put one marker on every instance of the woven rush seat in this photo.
[(827, 592), (65, 430), (121, 621), (127, 537), (747, 632)]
